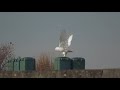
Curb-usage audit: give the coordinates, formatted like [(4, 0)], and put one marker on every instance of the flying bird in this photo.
[(64, 43)]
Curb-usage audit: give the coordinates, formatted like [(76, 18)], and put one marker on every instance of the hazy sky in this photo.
[(96, 34)]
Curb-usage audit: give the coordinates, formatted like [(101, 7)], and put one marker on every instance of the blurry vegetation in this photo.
[(6, 52), (44, 62)]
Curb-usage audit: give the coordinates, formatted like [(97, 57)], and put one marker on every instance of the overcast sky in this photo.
[(96, 34)]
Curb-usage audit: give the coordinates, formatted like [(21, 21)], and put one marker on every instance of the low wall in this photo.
[(100, 73)]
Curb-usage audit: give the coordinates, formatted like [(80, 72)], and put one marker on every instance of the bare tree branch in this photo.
[(6, 52), (44, 62)]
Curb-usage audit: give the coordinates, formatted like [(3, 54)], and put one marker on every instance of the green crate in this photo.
[(62, 63), (10, 65), (22, 64), (5, 66), (78, 63), (16, 64), (27, 64)]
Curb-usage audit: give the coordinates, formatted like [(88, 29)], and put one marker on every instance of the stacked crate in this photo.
[(27, 64), (62, 63), (19, 64), (78, 63), (65, 63)]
